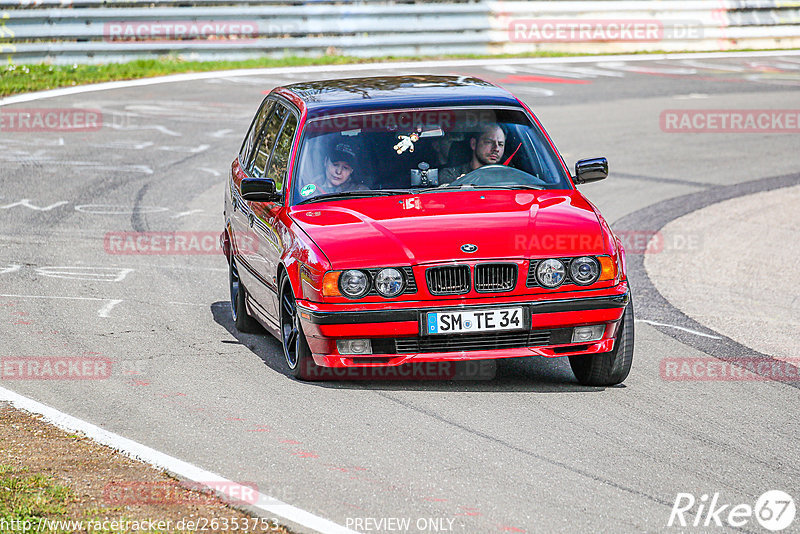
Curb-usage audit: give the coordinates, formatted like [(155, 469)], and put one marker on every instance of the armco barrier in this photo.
[(101, 31), (636, 26)]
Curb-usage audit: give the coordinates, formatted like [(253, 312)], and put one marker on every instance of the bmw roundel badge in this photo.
[(469, 248)]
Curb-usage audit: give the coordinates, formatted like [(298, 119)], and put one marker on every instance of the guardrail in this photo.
[(637, 26), (101, 31)]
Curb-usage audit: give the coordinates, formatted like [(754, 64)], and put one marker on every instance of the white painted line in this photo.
[(405, 65), (185, 213), (191, 472), (102, 312), (12, 268), (95, 274), (111, 209), (26, 202), (189, 149), (695, 332), (221, 133), (211, 171), (105, 310), (49, 297), (157, 127)]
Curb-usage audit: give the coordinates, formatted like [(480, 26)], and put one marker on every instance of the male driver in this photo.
[(487, 149)]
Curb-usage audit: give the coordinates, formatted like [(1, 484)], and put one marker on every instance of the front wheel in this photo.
[(295, 345), (608, 368)]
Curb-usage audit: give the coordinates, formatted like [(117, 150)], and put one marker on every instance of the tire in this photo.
[(608, 368), (243, 321), (295, 345)]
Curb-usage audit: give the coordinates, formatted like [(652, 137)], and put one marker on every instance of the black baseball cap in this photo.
[(343, 152)]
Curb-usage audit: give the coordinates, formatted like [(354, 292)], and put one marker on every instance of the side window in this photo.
[(280, 156), (267, 140), (255, 129)]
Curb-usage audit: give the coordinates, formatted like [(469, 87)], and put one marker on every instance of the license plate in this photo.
[(459, 322)]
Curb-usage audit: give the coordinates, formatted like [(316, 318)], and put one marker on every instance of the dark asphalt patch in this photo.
[(651, 304)]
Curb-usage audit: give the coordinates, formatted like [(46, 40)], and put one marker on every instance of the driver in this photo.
[(487, 145), (340, 164)]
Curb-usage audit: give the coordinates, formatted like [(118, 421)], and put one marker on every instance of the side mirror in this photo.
[(259, 190), (591, 170)]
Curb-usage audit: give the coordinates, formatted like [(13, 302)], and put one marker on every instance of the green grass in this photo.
[(26, 497), (26, 500), (26, 78)]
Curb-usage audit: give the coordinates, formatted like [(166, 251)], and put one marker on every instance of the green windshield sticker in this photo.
[(307, 190)]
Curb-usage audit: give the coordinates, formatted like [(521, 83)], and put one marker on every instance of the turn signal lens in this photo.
[(608, 271), (330, 284)]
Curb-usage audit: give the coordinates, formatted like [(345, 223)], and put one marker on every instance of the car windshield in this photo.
[(423, 151)]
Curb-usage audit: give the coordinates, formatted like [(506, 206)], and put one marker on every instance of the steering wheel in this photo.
[(498, 175)]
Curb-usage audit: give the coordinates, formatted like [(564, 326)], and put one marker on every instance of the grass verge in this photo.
[(16, 79), (55, 482)]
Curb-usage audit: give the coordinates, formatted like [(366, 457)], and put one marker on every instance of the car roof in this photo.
[(329, 97)]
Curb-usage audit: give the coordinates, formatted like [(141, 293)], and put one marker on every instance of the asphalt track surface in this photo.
[(530, 450)]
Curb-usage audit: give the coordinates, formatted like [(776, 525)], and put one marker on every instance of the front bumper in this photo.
[(395, 329)]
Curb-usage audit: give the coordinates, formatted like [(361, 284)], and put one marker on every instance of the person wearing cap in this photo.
[(340, 164)]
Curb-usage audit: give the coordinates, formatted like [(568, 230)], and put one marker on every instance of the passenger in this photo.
[(340, 165), (487, 148)]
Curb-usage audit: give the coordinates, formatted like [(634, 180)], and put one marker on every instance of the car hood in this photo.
[(433, 227)]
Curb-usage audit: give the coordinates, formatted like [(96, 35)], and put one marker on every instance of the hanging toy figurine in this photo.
[(407, 142)]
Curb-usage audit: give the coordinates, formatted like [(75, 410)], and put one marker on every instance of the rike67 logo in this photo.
[(774, 510)]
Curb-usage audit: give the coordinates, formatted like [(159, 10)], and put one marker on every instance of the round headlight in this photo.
[(584, 270), (551, 273), (354, 284), (389, 282)]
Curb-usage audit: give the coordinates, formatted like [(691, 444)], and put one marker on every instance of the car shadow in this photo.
[(532, 374)]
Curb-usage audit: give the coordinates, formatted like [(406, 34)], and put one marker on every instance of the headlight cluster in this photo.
[(355, 283), (583, 271)]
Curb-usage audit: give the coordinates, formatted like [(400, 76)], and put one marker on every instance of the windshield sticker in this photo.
[(307, 190), (406, 142)]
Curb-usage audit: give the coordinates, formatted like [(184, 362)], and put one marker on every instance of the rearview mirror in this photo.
[(591, 170), (259, 190)]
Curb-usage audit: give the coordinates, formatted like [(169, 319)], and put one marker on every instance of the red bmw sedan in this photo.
[(377, 222)]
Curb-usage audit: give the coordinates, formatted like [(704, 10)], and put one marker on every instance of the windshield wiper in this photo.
[(518, 186), (444, 188), (471, 187), (355, 194)]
